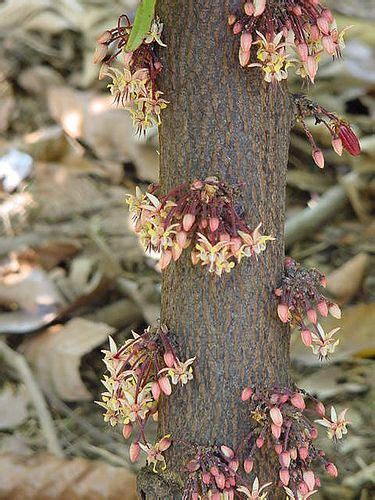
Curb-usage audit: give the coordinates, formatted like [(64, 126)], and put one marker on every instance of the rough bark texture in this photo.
[(222, 120)]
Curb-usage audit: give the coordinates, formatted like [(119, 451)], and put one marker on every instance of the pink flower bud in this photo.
[(155, 390), (293, 453), (303, 488), (246, 41), (315, 33), (193, 466), (206, 477), (220, 481), (165, 258), (309, 478), (164, 443), (334, 311), (350, 141), (284, 476), (320, 409), (312, 69), (248, 465), (214, 223), (203, 223), (331, 469), (337, 145), (236, 243), (234, 464), (244, 57), (313, 317), (328, 15), (214, 470), (317, 482), (260, 442), (216, 495), (231, 19), (297, 10), (188, 221), (246, 393), (314, 433), (169, 359), (176, 252), (283, 398), (134, 452), (127, 430), (248, 8), (318, 157), (224, 237), (227, 452), (104, 37), (323, 308), (278, 448), (306, 337), (303, 452), (276, 431), (323, 25), (165, 385), (181, 238), (276, 416), (237, 28), (100, 53), (194, 496), (283, 312), (259, 7), (303, 52), (329, 45), (284, 459), (298, 401)]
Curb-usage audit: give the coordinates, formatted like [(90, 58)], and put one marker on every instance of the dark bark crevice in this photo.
[(226, 121)]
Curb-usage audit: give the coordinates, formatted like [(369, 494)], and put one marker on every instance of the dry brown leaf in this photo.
[(56, 353), (44, 476), (36, 296), (48, 255), (346, 281)]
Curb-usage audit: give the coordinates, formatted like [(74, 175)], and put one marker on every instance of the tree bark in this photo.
[(226, 121)]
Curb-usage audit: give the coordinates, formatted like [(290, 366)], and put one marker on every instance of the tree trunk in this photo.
[(226, 121)]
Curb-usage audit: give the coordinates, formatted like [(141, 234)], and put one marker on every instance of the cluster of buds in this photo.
[(201, 215), (343, 136), (134, 82), (213, 474), (287, 33), (301, 301), (145, 367), (280, 422)]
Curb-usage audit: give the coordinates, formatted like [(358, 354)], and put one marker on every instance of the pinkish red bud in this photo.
[(206, 477), (169, 359), (214, 224), (317, 482), (220, 481), (331, 469), (278, 448), (214, 470), (165, 385), (293, 453), (181, 238), (193, 466), (237, 28), (334, 311), (216, 495), (303, 488), (155, 390), (314, 433), (248, 8), (246, 41), (309, 478), (298, 401), (315, 33), (318, 157), (248, 465), (227, 452), (329, 45), (246, 393), (320, 409), (244, 57), (165, 259), (224, 237), (312, 69), (259, 7), (104, 37), (283, 312), (303, 52), (164, 443), (134, 452), (236, 243), (297, 10), (176, 252), (260, 442), (276, 416), (337, 145), (323, 25), (303, 452), (100, 53), (188, 221), (276, 431), (328, 15), (233, 465), (306, 337), (127, 430), (231, 19), (284, 459), (284, 476), (350, 141), (323, 308), (313, 317)]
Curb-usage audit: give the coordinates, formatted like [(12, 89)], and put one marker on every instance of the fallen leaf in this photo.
[(13, 407), (48, 255), (345, 282), (56, 354), (35, 295), (43, 476)]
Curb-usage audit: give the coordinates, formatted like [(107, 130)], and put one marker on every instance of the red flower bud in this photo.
[(276, 416), (134, 452), (284, 476), (350, 141), (306, 337), (127, 430), (246, 393), (320, 409), (298, 401), (248, 465), (331, 469)]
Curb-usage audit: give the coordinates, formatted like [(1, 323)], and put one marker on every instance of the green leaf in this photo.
[(141, 26)]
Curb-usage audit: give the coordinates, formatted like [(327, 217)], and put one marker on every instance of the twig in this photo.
[(46, 422)]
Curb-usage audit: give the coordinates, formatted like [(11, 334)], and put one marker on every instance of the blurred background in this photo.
[(72, 272)]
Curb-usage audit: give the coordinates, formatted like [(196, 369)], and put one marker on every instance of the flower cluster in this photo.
[(201, 215), (300, 303), (288, 33), (134, 83), (213, 475), (343, 136), (145, 367), (280, 421)]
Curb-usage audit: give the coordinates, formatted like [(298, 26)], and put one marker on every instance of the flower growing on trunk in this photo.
[(201, 215), (134, 84), (139, 372), (280, 420), (256, 491), (303, 29), (342, 135), (301, 302)]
